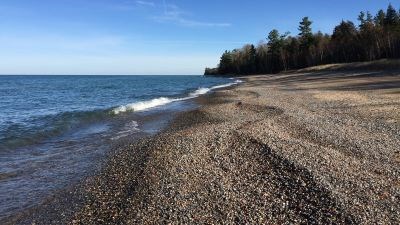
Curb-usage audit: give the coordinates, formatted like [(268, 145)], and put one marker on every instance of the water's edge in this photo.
[(153, 116)]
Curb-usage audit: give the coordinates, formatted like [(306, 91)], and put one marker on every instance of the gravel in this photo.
[(279, 149)]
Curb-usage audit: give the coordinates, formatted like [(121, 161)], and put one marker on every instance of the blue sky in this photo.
[(149, 36)]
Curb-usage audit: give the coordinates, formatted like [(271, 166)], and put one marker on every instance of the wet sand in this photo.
[(296, 148)]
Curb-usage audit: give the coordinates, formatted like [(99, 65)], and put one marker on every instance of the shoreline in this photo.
[(294, 147), (69, 145)]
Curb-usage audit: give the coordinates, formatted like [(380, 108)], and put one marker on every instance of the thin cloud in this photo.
[(146, 3), (174, 14), (190, 23), (187, 42), (168, 13)]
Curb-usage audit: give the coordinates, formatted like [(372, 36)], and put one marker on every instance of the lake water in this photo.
[(56, 129)]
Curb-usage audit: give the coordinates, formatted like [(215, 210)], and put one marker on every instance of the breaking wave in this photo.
[(145, 105)]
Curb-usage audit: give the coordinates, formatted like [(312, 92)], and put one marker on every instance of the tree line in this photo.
[(375, 37)]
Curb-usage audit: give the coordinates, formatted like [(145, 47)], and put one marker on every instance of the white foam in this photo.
[(239, 81), (145, 105), (200, 91), (227, 85)]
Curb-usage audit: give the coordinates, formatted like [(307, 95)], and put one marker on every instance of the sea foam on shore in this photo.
[(145, 105)]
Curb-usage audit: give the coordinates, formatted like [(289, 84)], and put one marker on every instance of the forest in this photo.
[(374, 37)]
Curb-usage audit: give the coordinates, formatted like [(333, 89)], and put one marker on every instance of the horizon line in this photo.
[(101, 74)]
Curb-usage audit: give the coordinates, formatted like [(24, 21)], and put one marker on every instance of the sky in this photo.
[(150, 36)]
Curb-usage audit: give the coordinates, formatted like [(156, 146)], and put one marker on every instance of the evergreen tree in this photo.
[(305, 27), (306, 41), (369, 18), (376, 37), (276, 43), (252, 59), (344, 36), (225, 64), (362, 20), (369, 39), (305, 32), (392, 18), (380, 18)]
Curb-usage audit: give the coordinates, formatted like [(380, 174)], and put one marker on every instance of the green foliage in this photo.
[(306, 35), (211, 71), (305, 28), (345, 31), (374, 38), (225, 65), (392, 18), (345, 38), (276, 42), (361, 18), (380, 18)]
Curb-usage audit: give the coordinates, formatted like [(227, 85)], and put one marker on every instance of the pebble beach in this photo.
[(311, 147)]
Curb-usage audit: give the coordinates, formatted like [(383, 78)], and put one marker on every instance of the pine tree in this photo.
[(377, 37), (274, 42), (225, 64), (252, 60), (306, 41), (344, 37), (361, 18), (305, 32), (305, 27), (380, 18), (392, 18), (369, 18)]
